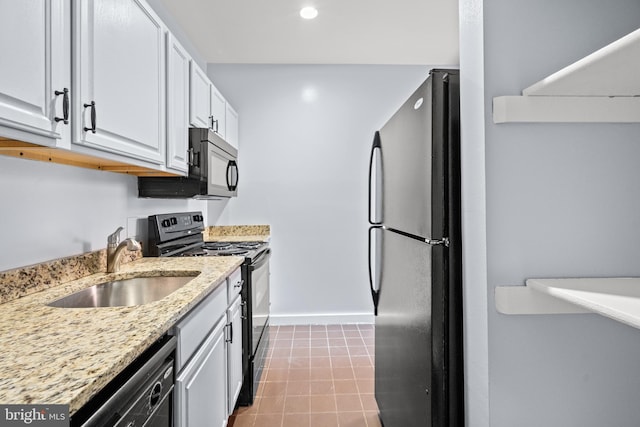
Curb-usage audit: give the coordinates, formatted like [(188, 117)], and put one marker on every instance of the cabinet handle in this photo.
[(93, 117), (214, 124), (230, 340), (190, 157), (195, 160), (65, 106)]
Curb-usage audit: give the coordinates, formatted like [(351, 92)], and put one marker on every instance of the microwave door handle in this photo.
[(231, 183), (237, 175)]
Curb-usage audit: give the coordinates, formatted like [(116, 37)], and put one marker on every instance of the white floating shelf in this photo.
[(566, 109), (615, 298), (601, 87)]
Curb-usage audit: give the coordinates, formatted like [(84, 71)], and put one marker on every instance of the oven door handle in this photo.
[(261, 260)]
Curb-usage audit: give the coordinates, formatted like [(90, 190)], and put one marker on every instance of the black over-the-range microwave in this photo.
[(213, 171)]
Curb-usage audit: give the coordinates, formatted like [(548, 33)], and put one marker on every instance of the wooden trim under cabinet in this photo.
[(25, 150)]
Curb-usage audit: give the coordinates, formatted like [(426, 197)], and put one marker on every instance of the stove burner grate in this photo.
[(217, 246), (248, 245)]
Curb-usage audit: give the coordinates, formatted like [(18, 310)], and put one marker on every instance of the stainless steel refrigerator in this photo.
[(415, 259)]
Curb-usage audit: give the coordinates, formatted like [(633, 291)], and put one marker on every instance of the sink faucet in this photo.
[(115, 249)]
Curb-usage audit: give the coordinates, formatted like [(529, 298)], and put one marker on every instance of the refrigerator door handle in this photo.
[(375, 181), (374, 276), (442, 242)]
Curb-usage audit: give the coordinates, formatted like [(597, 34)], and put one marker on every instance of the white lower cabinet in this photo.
[(234, 353), (201, 387), (209, 358)]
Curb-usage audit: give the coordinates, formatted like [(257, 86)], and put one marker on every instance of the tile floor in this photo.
[(315, 376)]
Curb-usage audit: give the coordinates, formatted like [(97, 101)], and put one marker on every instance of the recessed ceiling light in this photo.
[(308, 12)]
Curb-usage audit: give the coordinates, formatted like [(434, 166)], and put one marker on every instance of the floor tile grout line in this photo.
[(330, 355)]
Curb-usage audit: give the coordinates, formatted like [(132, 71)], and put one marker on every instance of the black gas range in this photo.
[(181, 235)]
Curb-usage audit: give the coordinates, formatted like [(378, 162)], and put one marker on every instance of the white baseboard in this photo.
[(320, 319)]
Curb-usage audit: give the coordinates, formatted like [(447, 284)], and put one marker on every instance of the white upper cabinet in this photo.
[(177, 105), (218, 110), (119, 79), (231, 126), (35, 74), (209, 108), (200, 98)]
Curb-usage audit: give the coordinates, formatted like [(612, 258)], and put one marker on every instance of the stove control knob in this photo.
[(174, 220), (166, 223), (197, 218)]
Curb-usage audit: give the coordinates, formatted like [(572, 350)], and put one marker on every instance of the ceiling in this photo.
[(406, 32)]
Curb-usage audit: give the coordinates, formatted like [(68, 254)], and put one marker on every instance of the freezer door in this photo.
[(403, 332), (406, 165)]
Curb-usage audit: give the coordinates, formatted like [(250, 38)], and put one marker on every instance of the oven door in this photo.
[(260, 300)]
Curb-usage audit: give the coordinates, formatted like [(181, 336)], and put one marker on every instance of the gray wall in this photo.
[(305, 136), (51, 211), (178, 32), (562, 201)]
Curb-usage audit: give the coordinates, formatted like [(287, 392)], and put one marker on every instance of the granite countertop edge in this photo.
[(66, 356)]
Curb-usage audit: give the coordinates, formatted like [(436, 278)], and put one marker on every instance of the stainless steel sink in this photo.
[(123, 293)]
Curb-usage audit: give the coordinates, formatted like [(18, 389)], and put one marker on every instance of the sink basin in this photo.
[(123, 293)]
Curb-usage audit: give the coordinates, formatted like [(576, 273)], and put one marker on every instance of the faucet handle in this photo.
[(114, 238)]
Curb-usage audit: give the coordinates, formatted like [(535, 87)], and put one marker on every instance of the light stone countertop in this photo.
[(65, 356), (237, 233)]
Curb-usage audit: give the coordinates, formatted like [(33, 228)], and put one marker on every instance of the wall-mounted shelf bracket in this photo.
[(525, 300), (616, 298)]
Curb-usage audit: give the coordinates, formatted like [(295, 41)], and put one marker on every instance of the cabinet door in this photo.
[(232, 126), (218, 110), (35, 50), (200, 97), (177, 104), (201, 387), (234, 352), (119, 64)]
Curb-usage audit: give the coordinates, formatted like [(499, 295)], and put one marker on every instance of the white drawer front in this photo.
[(194, 328)]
